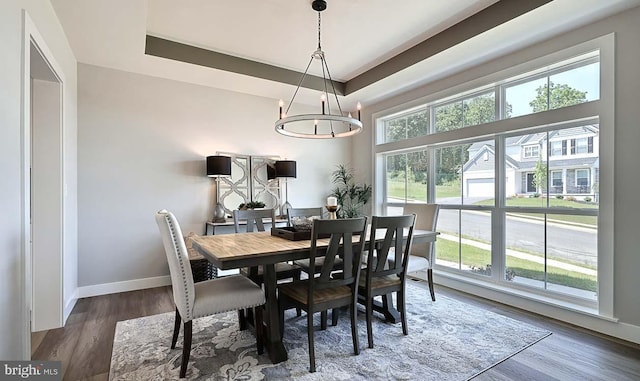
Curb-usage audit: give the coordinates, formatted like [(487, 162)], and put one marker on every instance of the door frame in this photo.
[(32, 37)]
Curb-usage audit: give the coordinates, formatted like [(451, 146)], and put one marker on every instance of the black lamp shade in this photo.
[(286, 168), (271, 172), (218, 166)]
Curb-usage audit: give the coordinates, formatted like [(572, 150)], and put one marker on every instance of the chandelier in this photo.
[(327, 124)]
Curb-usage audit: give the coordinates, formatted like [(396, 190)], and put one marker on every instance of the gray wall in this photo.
[(11, 222), (627, 139), (142, 144)]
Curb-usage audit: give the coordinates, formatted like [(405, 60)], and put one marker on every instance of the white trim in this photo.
[(31, 35), (124, 286), (71, 302), (581, 316), (25, 127)]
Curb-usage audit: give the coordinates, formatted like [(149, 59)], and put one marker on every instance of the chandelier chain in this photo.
[(319, 25)]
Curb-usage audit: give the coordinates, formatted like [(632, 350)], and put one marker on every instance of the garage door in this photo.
[(480, 188)]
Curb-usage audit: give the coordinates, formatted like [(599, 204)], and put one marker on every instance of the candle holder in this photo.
[(332, 209)]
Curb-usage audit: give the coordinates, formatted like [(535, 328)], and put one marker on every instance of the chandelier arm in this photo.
[(332, 85), (299, 84)]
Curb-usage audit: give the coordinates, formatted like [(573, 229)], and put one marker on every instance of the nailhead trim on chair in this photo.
[(174, 236)]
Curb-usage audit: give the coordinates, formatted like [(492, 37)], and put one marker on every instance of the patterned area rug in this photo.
[(448, 340)]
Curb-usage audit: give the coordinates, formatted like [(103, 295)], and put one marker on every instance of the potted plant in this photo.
[(351, 196), (251, 205)]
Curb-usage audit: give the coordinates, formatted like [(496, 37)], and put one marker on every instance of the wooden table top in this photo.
[(228, 251)]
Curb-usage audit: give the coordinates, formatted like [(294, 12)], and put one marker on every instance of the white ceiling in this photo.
[(357, 35)]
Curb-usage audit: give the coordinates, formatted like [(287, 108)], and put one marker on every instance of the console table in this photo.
[(211, 226)]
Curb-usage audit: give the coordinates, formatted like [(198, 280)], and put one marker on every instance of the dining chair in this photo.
[(423, 255), (383, 276), (209, 297), (255, 222), (324, 292), (294, 213)]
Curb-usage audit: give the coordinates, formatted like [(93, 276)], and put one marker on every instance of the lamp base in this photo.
[(285, 208), (218, 214)]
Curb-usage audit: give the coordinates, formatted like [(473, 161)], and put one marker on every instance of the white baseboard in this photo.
[(129, 285), (602, 324), (71, 302)]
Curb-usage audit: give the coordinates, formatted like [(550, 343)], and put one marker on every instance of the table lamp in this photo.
[(286, 169), (217, 167)]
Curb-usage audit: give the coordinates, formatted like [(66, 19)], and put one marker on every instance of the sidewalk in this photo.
[(521, 255)]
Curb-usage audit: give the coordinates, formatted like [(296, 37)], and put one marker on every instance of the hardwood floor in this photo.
[(84, 344), (570, 353)]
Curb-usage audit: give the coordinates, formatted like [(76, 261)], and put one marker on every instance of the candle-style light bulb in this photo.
[(359, 107), (280, 104), (315, 126), (323, 98)]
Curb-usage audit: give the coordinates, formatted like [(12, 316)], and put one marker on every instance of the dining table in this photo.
[(233, 251)]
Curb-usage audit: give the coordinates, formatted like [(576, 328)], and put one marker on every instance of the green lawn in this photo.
[(539, 202), (418, 191), (474, 256)]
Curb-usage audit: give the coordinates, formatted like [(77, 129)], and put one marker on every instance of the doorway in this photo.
[(43, 187)]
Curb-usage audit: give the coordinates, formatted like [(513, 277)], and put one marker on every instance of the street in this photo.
[(576, 244)]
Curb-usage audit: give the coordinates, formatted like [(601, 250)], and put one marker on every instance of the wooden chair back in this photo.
[(254, 217), (342, 232), (378, 264), (302, 212)]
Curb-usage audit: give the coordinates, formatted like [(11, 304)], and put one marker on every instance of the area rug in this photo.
[(448, 340)]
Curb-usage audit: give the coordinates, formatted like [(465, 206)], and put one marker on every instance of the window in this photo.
[(565, 86), (407, 125), (556, 179), (582, 177), (406, 178), (531, 151), (469, 111), (543, 190), (581, 145)]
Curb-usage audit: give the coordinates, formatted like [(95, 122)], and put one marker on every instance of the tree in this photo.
[(540, 176), (467, 112), (560, 95)]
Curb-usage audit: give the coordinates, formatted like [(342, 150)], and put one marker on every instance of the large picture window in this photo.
[(533, 227)]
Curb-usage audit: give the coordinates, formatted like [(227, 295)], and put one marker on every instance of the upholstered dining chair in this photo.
[(324, 292), (255, 221), (382, 276), (423, 255), (209, 297)]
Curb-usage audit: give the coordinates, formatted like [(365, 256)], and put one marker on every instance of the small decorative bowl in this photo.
[(302, 224)]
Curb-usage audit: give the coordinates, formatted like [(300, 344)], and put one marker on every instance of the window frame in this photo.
[(485, 76), (553, 179), (531, 148), (588, 177)]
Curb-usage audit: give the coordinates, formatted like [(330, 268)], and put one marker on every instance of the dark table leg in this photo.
[(390, 313), (385, 307), (277, 351)]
